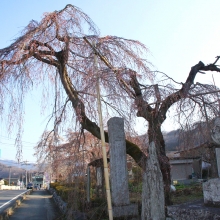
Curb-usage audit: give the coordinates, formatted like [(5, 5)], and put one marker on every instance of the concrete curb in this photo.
[(7, 210)]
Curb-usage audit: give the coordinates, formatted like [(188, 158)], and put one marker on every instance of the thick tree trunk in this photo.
[(155, 135), (153, 202)]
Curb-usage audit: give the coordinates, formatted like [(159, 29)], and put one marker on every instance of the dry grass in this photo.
[(187, 194), (183, 194)]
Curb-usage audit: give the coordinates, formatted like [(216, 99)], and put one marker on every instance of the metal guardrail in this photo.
[(7, 208)]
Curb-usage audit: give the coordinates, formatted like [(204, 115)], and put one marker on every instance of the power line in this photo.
[(15, 139), (8, 162), (14, 144)]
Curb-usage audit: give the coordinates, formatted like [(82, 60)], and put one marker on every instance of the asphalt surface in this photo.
[(7, 195), (39, 205)]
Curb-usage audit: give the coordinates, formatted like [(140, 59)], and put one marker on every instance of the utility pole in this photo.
[(26, 176), (25, 163), (22, 179), (9, 178)]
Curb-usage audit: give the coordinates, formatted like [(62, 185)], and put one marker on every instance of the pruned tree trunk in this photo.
[(153, 202), (155, 135)]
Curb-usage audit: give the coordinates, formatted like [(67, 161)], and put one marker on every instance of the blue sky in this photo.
[(178, 34)]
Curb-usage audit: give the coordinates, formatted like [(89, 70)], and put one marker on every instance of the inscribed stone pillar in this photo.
[(99, 181), (118, 169), (118, 162), (99, 176)]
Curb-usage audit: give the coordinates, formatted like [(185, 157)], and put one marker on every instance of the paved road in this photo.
[(39, 205), (7, 195)]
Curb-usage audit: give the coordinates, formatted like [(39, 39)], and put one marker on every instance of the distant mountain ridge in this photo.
[(17, 169), (198, 134), (13, 163), (171, 140)]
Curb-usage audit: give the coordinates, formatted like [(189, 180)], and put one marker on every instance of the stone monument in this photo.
[(211, 188), (211, 192), (118, 170)]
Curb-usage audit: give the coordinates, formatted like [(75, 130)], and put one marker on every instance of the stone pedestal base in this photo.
[(211, 192), (125, 210)]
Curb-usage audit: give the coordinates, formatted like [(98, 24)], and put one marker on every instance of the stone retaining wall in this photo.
[(59, 202), (69, 213)]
